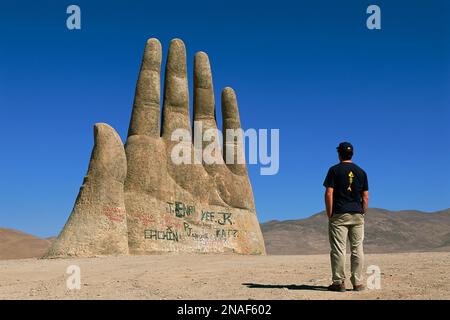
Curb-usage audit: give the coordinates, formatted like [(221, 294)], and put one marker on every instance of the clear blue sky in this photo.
[(310, 68)]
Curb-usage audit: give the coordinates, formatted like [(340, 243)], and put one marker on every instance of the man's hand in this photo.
[(329, 201), (365, 201)]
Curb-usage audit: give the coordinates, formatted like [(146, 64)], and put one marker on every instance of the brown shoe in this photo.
[(339, 287), (359, 287)]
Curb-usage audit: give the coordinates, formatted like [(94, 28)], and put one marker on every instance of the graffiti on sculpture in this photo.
[(167, 234)]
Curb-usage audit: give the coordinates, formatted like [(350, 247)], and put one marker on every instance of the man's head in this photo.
[(345, 151)]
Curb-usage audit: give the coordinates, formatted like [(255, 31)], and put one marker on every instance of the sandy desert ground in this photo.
[(403, 276)]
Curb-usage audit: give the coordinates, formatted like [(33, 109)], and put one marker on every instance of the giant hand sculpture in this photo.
[(137, 200)]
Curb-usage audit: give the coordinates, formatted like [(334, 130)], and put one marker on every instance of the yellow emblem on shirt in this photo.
[(350, 181)]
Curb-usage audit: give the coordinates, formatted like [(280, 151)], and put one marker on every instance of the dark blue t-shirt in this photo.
[(348, 181)]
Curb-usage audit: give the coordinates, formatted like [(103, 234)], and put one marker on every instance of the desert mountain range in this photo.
[(19, 245), (386, 232)]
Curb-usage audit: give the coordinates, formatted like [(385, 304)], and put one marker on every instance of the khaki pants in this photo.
[(341, 226)]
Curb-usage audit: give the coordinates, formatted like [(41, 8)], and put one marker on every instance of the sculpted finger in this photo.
[(146, 108), (176, 95), (108, 156), (203, 89), (233, 138), (204, 113)]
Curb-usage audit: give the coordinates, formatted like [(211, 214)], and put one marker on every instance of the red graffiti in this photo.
[(114, 213), (145, 219)]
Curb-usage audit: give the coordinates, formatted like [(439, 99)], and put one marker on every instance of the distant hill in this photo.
[(385, 232), (18, 245)]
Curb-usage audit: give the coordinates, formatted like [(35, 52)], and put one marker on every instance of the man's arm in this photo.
[(329, 201), (365, 201)]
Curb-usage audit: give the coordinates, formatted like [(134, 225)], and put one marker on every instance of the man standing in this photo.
[(346, 201)]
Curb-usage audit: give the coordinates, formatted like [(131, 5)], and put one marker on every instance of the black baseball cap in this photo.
[(345, 146)]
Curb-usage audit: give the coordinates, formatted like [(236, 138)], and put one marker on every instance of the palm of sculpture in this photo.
[(138, 200)]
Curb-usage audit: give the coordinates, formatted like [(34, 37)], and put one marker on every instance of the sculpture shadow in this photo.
[(285, 286)]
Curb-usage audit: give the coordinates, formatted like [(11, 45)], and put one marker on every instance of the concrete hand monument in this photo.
[(138, 199)]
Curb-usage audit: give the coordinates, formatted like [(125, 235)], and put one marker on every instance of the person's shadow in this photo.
[(287, 286)]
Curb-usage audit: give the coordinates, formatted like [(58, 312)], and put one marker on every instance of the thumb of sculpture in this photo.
[(97, 224)]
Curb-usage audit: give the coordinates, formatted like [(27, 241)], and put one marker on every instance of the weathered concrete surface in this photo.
[(169, 207)]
